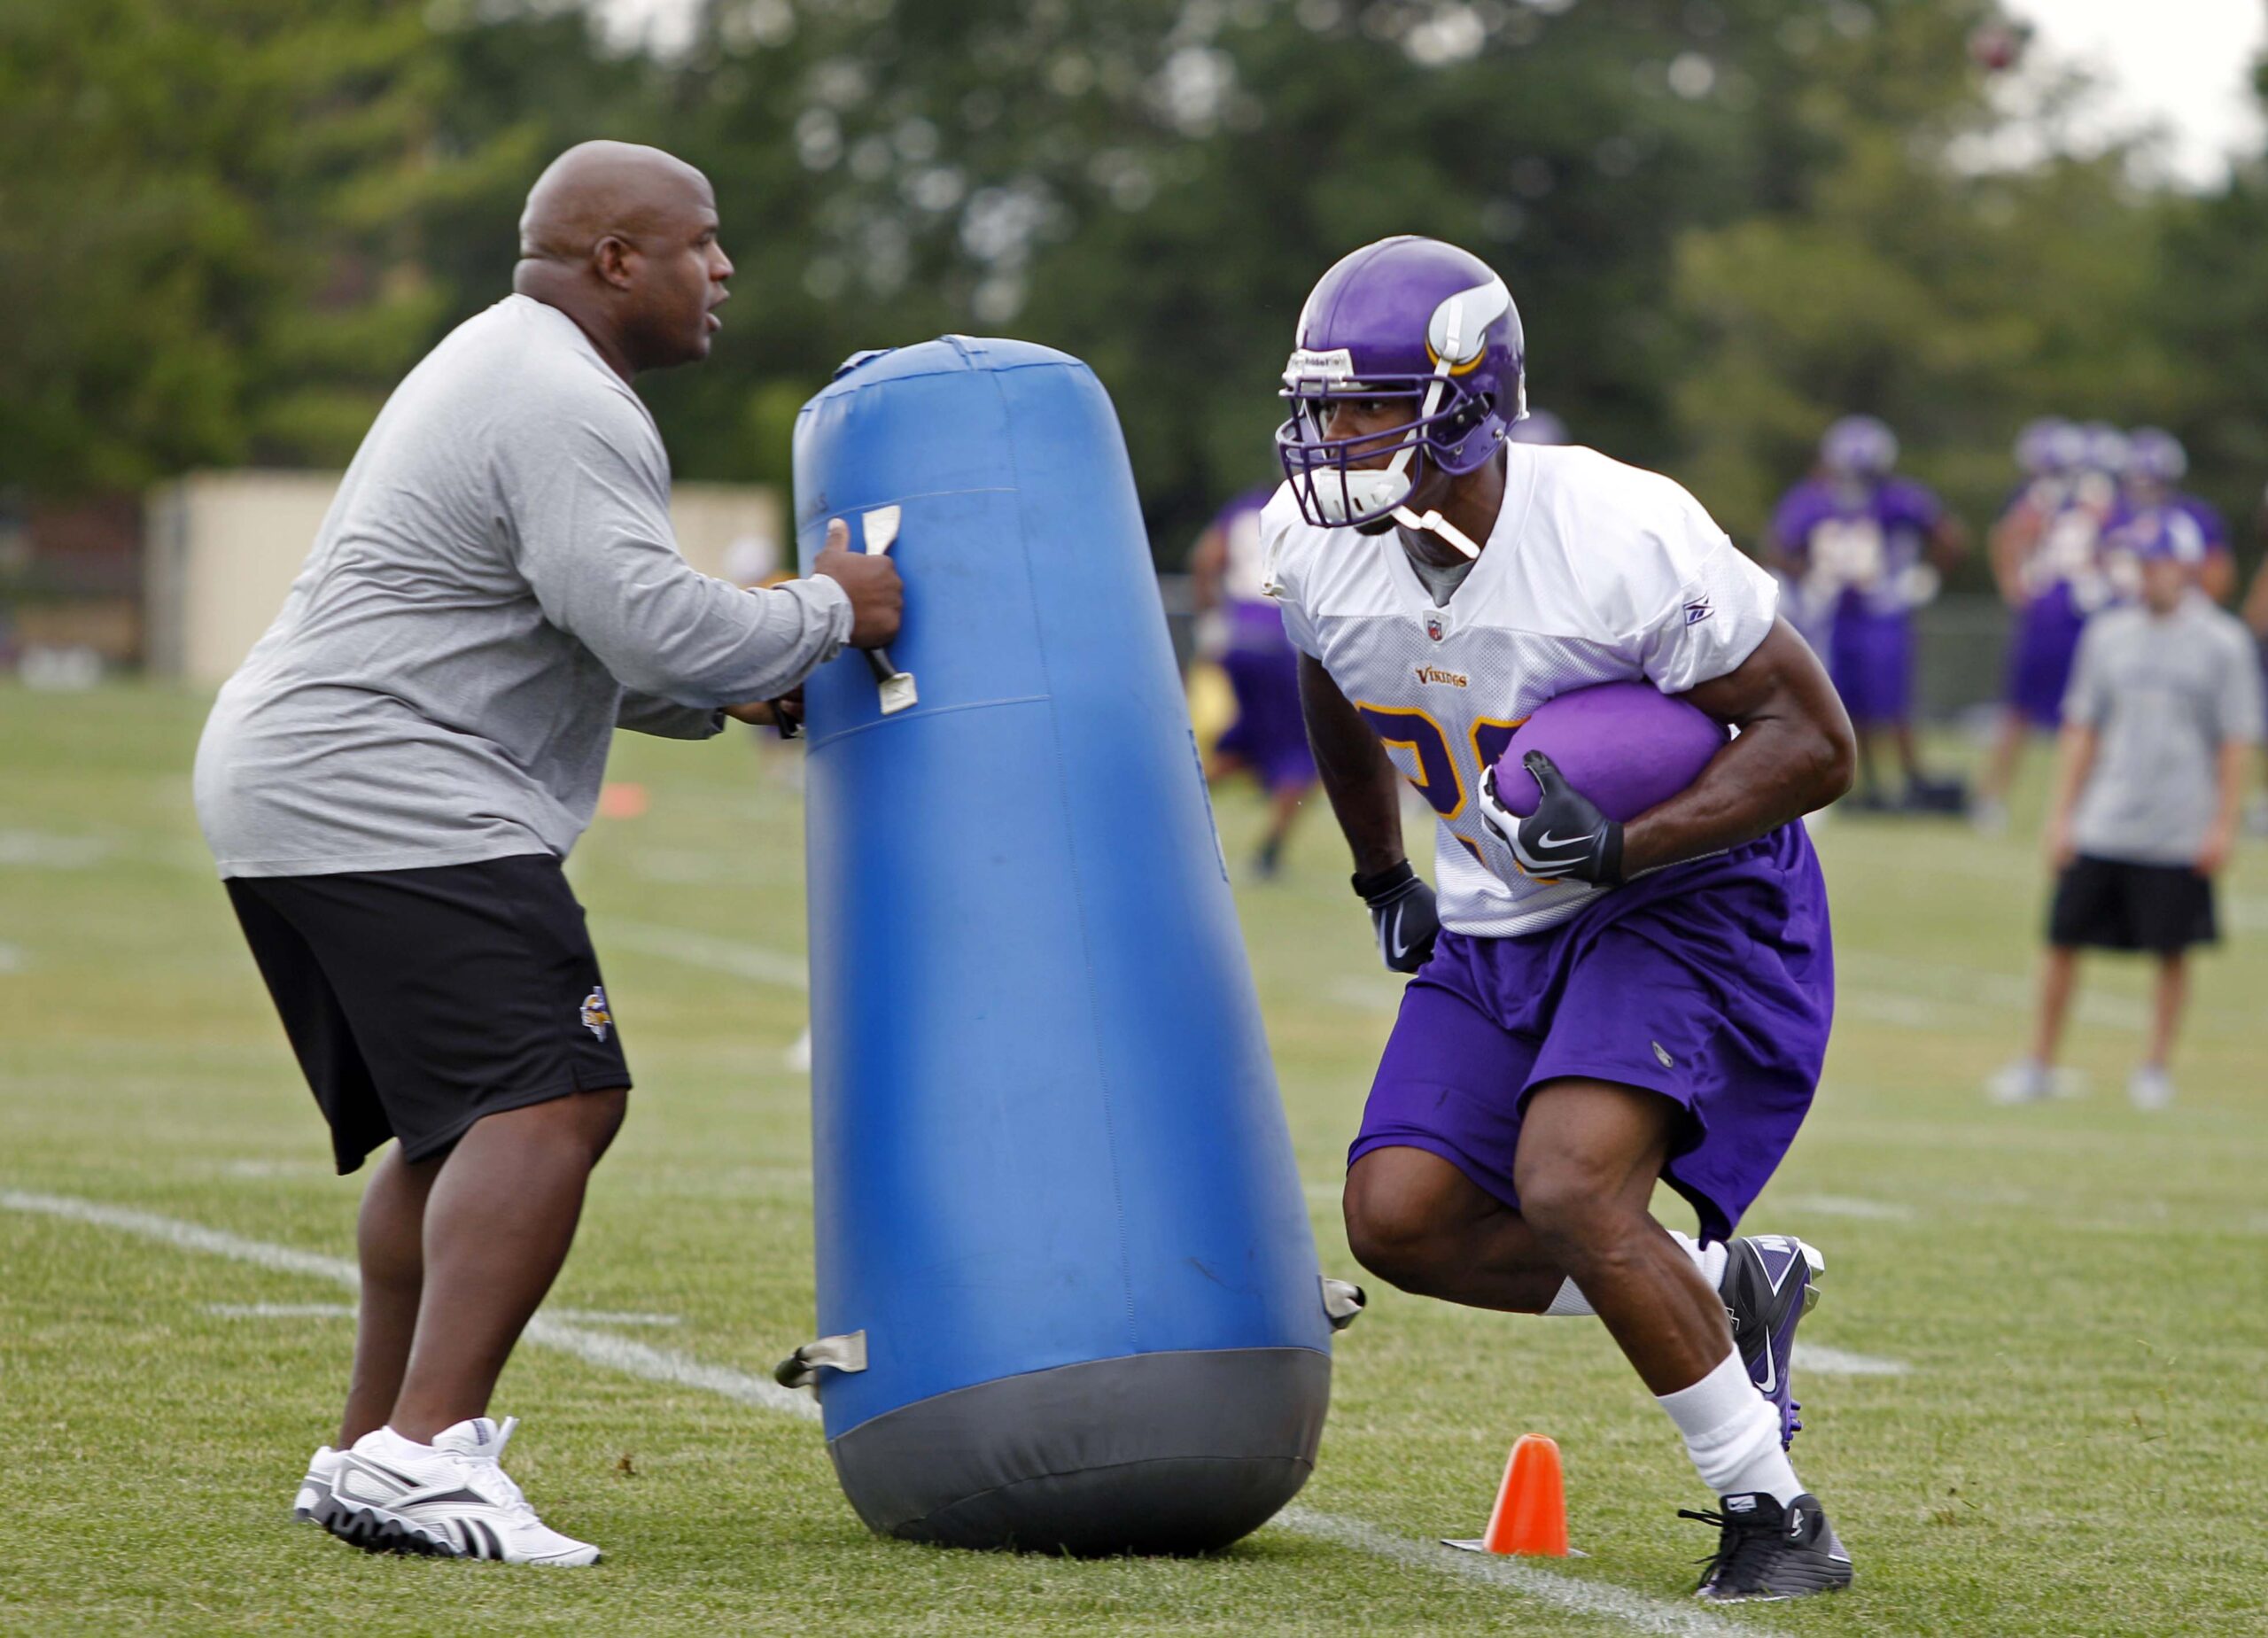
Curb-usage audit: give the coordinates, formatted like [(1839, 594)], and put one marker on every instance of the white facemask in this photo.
[(1343, 496)]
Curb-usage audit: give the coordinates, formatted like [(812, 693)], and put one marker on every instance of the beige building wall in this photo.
[(222, 550)]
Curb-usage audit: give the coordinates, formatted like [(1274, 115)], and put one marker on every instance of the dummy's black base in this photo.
[(1152, 1453)]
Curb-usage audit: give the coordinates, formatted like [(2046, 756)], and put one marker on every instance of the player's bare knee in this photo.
[(1394, 1237), (1576, 1213)]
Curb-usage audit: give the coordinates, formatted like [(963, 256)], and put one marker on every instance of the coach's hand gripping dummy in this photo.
[(1613, 997), (1065, 1268)]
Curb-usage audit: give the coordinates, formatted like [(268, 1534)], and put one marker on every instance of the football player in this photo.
[(1596, 1006), (1864, 549), (1267, 738), (2047, 560)]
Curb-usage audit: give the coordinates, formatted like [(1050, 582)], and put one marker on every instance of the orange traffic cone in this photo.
[(1531, 1512)]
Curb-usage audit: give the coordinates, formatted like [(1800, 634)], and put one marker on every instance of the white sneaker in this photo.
[(449, 1499), (1989, 816), (2026, 1081), (2150, 1087), (314, 1489)]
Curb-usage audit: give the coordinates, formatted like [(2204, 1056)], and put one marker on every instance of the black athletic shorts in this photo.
[(2107, 904), (420, 1000)]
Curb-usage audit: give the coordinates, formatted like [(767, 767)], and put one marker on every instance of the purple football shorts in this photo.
[(1269, 736), (1870, 658), (2046, 641), (1711, 983)]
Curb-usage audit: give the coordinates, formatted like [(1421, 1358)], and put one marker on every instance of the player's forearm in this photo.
[(2009, 543), (2256, 604), (1366, 798), (1779, 769), (1364, 790)]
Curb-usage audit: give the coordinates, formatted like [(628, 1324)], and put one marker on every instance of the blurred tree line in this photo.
[(228, 226)]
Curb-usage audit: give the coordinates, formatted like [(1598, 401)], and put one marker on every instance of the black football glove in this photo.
[(1403, 915), (1566, 838)]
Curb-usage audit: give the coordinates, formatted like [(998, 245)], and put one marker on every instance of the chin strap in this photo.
[(1434, 524)]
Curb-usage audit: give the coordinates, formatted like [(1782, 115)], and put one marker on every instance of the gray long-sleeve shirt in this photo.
[(495, 589)]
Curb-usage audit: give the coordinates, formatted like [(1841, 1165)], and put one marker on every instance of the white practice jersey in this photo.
[(1595, 573)]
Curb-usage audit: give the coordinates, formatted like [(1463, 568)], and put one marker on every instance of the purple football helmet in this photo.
[(2155, 454), (2049, 446), (2105, 448), (1405, 318), (1859, 447)]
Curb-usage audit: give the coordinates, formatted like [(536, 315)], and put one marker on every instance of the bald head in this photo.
[(598, 189), (623, 239)]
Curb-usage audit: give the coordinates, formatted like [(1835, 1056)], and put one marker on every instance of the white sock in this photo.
[(386, 1439), (1732, 1433), (1709, 1258)]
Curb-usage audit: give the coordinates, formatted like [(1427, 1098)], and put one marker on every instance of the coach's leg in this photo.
[(497, 1224), (1419, 1223), (1590, 1153), (389, 1243)]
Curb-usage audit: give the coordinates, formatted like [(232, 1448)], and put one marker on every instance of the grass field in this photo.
[(2050, 1323)]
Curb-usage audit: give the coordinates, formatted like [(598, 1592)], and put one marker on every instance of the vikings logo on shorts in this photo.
[(596, 1018)]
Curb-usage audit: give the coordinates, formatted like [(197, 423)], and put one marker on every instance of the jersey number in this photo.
[(1436, 775)]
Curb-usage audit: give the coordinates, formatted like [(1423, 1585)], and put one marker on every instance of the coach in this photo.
[(391, 781)]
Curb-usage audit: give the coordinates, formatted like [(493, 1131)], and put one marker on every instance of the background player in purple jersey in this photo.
[(2046, 560), (1268, 739), (1863, 548), (1568, 1040)]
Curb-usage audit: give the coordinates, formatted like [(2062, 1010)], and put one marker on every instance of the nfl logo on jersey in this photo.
[(1433, 626)]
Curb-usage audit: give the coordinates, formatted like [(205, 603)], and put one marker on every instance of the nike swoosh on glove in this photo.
[(1566, 838), (1403, 916)]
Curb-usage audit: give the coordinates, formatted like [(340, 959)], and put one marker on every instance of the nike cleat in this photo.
[(1771, 1282), (1765, 1552), (314, 1489), (446, 1500)]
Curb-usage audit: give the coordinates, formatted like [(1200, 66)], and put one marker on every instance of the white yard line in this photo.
[(1828, 1362), (1845, 1205), (33, 850), (704, 950), (346, 1310), (594, 1347), (1949, 985), (1599, 1600)]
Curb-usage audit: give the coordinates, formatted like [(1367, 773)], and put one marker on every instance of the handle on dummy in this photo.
[(897, 687)]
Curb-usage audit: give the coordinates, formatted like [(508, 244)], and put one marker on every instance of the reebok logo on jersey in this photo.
[(596, 1018), (1449, 680), (1661, 1054), (1694, 613)]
